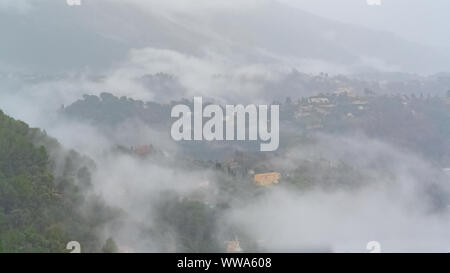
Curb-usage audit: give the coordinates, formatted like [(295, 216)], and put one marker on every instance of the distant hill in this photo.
[(412, 121), (98, 34)]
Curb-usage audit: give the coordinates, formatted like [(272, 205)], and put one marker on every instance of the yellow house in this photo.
[(233, 246), (267, 179)]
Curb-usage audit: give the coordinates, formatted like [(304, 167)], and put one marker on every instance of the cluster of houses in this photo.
[(313, 108), (324, 104)]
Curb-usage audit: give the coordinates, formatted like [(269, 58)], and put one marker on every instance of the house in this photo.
[(267, 179), (359, 102), (143, 150), (319, 100), (233, 246)]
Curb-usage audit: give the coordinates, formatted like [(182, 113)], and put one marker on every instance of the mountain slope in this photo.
[(41, 210), (53, 36)]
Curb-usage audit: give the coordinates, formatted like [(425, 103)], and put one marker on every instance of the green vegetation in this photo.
[(193, 221), (110, 246), (41, 207)]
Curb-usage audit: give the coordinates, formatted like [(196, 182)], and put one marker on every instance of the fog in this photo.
[(415, 20), (92, 37), (238, 52)]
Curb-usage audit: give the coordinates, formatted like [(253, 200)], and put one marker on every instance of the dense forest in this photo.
[(44, 194)]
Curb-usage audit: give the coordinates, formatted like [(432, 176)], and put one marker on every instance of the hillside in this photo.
[(100, 34), (44, 206)]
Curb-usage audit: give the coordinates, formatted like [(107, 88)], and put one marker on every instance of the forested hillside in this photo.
[(44, 205), (412, 122)]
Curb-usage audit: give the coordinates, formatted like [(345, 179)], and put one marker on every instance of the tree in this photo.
[(39, 205), (110, 246)]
